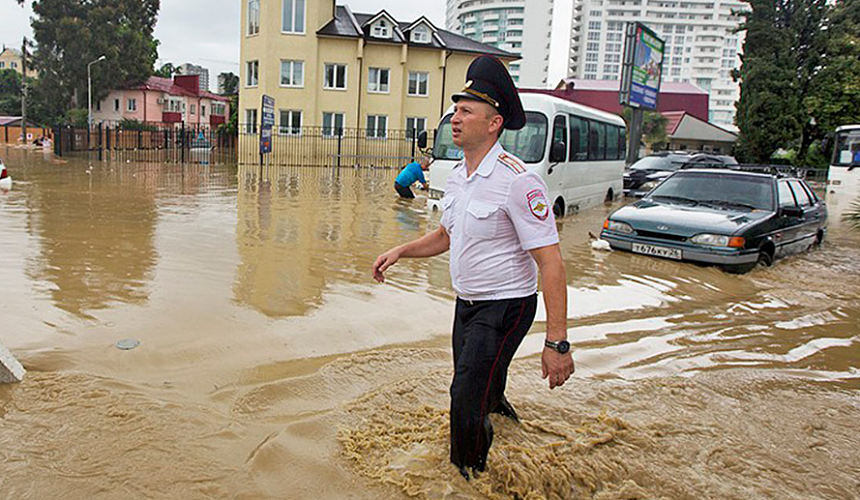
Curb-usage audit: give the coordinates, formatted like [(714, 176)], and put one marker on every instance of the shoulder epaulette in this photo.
[(512, 163)]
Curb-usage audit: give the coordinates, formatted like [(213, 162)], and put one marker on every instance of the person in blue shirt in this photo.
[(411, 173)]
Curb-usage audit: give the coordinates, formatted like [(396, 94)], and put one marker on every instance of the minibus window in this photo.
[(578, 139), (559, 131), (622, 143), (611, 142), (597, 145)]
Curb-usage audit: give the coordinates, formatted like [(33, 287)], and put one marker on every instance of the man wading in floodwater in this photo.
[(498, 225)]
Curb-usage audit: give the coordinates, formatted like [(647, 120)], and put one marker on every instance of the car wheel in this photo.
[(765, 259)]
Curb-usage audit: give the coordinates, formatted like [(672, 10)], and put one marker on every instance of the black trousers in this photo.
[(486, 336), (403, 191)]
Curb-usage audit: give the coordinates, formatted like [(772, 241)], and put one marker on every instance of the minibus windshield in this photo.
[(847, 150), (527, 144)]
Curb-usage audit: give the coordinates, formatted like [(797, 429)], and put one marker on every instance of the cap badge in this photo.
[(468, 83)]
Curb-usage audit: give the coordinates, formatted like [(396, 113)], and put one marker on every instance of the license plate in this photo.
[(669, 253)]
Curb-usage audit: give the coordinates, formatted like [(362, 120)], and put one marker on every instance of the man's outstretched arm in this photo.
[(427, 246)]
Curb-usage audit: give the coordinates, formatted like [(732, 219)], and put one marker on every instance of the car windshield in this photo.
[(847, 150), (527, 144), (743, 191), (659, 163)]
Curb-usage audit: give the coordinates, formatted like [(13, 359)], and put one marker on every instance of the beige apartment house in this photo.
[(328, 67), (11, 59)]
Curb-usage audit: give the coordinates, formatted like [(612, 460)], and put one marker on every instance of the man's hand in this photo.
[(383, 262), (556, 366)]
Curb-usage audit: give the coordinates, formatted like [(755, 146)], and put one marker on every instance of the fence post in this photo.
[(100, 141), (414, 138), (339, 142), (182, 142), (57, 140)]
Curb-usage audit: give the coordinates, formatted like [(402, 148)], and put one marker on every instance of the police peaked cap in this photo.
[(487, 80)]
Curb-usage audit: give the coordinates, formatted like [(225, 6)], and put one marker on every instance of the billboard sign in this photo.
[(643, 67), (268, 122)]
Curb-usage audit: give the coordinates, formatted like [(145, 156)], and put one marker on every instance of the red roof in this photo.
[(675, 118), (166, 85)]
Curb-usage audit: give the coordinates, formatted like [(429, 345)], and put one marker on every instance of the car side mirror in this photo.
[(792, 211), (557, 153), (422, 139)]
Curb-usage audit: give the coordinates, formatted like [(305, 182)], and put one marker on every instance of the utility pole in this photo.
[(24, 91)]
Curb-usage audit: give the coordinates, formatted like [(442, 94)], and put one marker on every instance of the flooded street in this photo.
[(271, 366)]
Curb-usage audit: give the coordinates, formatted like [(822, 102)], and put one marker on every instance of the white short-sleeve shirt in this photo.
[(493, 219)]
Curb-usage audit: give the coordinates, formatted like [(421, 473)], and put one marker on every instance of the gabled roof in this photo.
[(15, 52), (683, 125), (420, 20), (166, 85), (350, 25)]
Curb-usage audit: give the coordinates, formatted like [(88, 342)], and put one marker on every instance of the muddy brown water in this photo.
[(271, 366)]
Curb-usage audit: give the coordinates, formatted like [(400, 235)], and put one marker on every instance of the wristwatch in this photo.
[(561, 347)]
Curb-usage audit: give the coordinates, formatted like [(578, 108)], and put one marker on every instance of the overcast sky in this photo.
[(206, 32)]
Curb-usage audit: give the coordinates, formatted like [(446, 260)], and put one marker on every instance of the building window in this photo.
[(418, 83), (591, 57), (420, 34), (252, 75), (131, 104), (594, 35), (291, 122), (381, 29), (377, 80), (591, 67), (292, 73), (293, 16), (377, 126), (592, 46), (2, 64), (250, 121), (193, 109), (253, 17), (203, 110), (594, 25), (335, 76), (116, 104), (332, 124), (218, 109), (415, 126)]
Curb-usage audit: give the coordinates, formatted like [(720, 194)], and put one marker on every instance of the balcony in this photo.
[(216, 120), (171, 117)]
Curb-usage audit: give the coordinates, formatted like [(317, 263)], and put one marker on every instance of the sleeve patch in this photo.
[(538, 204)]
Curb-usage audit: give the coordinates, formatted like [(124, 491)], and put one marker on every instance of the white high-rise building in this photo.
[(522, 27), (701, 45)]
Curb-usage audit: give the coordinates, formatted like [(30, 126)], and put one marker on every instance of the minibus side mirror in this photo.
[(557, 153), (422, 139)]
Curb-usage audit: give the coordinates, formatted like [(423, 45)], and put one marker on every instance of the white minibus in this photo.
[(578, 151), (843, 178)]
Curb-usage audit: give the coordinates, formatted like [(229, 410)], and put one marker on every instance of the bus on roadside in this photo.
[(578, 151), (843, 177)]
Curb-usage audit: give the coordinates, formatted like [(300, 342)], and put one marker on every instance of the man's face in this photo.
[(474, 122)]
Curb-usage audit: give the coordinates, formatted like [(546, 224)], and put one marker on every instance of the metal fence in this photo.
[(148, 142), (331, 147)]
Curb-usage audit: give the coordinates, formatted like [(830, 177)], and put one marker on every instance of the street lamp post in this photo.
[(90, 92)]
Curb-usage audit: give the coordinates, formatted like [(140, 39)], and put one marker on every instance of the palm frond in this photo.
[(852, 215)]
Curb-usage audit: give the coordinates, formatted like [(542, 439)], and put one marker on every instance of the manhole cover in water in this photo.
[(127, 344)]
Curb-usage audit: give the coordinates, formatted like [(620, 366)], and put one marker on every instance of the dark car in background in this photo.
[(733, 218), (648, 172)]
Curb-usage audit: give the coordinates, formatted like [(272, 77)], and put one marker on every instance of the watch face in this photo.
[(563, 346)]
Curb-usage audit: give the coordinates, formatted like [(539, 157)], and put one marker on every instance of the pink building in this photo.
[(162, 100)]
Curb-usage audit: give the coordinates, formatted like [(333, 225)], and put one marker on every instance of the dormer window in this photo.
[(420, 34), (381, 29)]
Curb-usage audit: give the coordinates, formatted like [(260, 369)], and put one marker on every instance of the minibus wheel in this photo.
[(558, 208)]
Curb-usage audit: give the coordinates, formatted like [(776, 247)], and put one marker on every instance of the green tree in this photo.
[(231, 83), (166, 70), (71, 33), (834, 99), (10, 92), (768, 112), (653, 128), (231, 126)]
